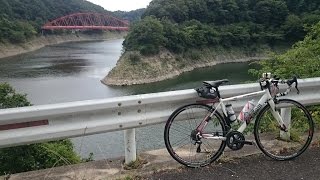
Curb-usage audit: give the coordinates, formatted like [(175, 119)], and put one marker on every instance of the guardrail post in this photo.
[(130, 145), (286, 117)]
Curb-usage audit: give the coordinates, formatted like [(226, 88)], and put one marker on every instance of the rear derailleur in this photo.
[(196, 138)]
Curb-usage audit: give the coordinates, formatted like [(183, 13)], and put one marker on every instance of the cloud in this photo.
[(123, 5)]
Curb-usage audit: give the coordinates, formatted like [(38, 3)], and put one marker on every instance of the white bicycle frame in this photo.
[(266, 98)]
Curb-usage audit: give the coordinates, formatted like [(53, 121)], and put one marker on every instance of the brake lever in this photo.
[(296, 86), (294, 80)]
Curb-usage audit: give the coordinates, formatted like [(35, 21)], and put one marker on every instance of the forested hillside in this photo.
[(183, 24)]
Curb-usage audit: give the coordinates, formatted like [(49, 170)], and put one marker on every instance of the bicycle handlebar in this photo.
[(291, 81), (275, 82)]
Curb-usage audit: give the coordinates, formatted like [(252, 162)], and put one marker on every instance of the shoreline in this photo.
[(9, 50), (111, 82), (124, 75)]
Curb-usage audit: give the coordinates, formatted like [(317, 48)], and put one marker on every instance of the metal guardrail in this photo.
[(26, 125)]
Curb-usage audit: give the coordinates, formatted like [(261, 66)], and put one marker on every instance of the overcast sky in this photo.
[(123, 5)]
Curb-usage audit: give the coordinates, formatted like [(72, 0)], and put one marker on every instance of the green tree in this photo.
[(271, 12), (146, 36), (176, 40), (309, 19), (293, 28), (175, 10), (36, 156)]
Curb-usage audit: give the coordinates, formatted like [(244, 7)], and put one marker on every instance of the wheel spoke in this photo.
[(181, 131), (179, 142), (208, 144)]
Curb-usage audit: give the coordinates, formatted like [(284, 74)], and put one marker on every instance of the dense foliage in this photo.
[(302, 60), (189, 24), (36, 156)]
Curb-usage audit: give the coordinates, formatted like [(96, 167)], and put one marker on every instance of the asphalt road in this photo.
[(307, 166)]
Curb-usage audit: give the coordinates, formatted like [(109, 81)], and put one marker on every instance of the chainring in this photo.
[(235, 140)]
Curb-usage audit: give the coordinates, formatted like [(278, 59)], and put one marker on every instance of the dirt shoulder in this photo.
[(7, 50), (133, 68)]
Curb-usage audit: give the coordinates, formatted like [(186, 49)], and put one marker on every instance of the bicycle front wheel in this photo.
[(181, 138), (278, 144)]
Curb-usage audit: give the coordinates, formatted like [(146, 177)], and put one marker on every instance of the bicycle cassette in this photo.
[(235, 140)]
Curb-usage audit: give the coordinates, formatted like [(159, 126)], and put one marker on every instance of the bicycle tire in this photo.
[(270, 138), (177, 135)]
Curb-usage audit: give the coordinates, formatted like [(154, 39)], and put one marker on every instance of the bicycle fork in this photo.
[(277, 116)]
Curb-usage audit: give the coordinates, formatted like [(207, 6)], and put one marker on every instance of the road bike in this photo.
[(196, 134)]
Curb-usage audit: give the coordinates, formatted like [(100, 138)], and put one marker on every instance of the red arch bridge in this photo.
[(87, 21)]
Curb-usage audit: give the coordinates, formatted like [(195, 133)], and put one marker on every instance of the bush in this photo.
[(149, 50), (192, 54), (36, 156), (10, 99), (134, 58)]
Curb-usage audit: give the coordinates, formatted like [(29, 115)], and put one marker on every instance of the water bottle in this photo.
[(247, 111), (230, 113)]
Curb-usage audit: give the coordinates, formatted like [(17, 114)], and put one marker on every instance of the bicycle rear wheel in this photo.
[(180, 131), (278, 144)]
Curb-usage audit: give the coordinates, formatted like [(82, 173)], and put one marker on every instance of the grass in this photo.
[(131, 177), (135, 164)]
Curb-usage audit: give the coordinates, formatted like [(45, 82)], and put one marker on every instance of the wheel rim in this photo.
[(180, 141), (282, 145)]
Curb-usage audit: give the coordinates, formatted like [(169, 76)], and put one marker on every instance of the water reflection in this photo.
[(47, 68), (63, 60)]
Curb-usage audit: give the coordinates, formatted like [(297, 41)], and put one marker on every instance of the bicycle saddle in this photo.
[(215, 84)]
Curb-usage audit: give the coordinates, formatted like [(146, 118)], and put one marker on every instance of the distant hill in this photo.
[(20, 20), (131, 16)]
